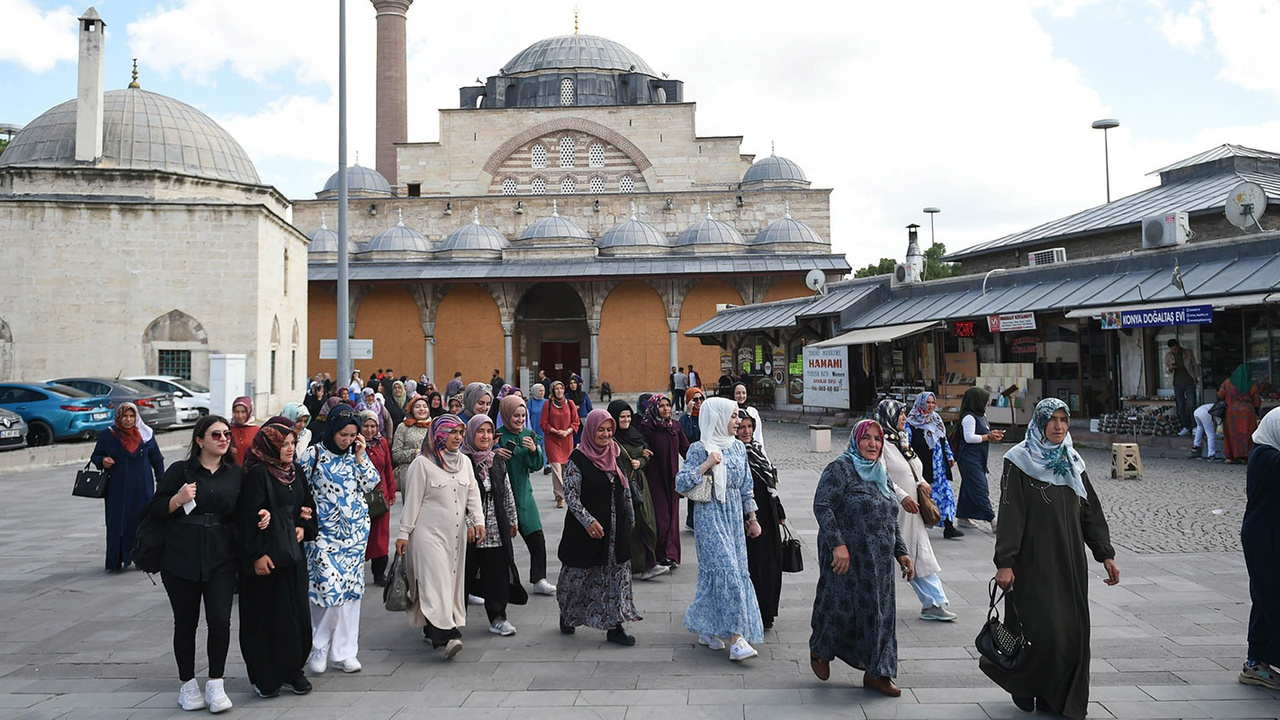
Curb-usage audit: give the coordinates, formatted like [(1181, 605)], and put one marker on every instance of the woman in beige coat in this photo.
[(410, 437), (906, 472), (442, 513)]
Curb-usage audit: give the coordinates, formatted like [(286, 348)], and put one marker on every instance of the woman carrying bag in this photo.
[(128, 451)]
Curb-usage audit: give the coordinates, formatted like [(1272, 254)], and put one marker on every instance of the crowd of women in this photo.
[(289, 511)]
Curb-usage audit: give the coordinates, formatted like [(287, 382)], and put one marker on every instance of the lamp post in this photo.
[(1104, 125), (344, 303), (932, 211)]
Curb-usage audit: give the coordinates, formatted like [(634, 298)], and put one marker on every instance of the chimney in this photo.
[(89, 89), (392, 100), (915, 258)]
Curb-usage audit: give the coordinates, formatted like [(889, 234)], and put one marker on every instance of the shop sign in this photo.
[(745, 356), (1011, 322), (1025, 345), (826, 376), (726, 362), (795, 369), (963, 328), (1184, 315)]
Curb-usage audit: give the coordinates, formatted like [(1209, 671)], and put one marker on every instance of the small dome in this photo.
[(774, 169), (325, 240), (709, 231), (787, 230), (555, 227), (361, 182), (399, 239), (140, 131), (568, 52), (475, 237), (632, 233)]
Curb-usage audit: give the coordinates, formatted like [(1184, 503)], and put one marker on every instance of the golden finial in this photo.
[(135, 84), (575, 19)]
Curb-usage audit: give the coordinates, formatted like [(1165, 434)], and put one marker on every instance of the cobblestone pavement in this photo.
[(1167, 642)]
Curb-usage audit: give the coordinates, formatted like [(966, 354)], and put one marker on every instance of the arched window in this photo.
[(595, 155), (539, 156), (566, 91), (539, 186), (627, 184), (567, 149), (597, 184), (509, 186), (568, 185)]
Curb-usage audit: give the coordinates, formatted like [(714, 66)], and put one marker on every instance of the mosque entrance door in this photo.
[(551, 331), (560, 360)]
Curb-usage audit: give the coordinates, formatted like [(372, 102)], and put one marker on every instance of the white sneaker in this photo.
[(654, 572), (742, 650), (348, 666), (1184, 432), (216, 696), (502, 627), (319, 661), (935, 612), (542, 587), (451, 648), (711, 641), (475, 600), (190, 697)]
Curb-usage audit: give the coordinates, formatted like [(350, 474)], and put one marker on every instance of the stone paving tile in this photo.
[(1173, 709), (1239, 708), (803, 712), (695, 712)]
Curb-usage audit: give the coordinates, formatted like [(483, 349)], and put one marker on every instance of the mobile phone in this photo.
[(511, 445)]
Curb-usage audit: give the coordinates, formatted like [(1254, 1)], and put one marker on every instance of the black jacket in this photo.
[(203, 543), (599, 489)]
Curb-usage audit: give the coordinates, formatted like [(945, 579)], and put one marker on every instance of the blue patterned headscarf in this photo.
[(873, 471), (928, 423), (1054, 464)]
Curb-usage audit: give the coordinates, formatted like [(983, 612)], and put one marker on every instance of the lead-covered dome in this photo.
[(398, 239), (325, 240), (774, 171), (555, 228), (632, 235), (709, 234), (788, 235), (141, 130), (475, 238), (567, 52), (361, 182)]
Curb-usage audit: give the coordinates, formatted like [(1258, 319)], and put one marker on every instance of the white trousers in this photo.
[(336, 630), (1206, 428)]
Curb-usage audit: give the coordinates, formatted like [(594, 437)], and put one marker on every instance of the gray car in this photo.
[(157, 408), (13, 430)]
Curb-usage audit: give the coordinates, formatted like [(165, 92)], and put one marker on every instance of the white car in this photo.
[(190, 397)]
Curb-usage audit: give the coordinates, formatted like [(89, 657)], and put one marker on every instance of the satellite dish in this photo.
[(1245, 204), (816, 280)]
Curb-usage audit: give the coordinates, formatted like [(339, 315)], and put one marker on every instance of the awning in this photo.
[(871, 336), (1221, 301)]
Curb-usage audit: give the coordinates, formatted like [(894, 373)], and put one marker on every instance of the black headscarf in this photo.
[(579, 396), (887, 414), (974, 402), (437, 411), (632, 436), (339, 417)]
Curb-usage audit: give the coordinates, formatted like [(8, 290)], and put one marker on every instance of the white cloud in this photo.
[(1184, 30), (47, 37), (1245, 33)]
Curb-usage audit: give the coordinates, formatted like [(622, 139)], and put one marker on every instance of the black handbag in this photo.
[(1218, 410), (792, 552), (377, 503), (148, 544), (395, 596), (91, 483), (998, 643)]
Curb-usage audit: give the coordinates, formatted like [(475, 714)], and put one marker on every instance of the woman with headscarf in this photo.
[(764, 552), (129, 453), (476, 399), (740, 397), (300, 416), (442, 513), (928, 437), (907, 475), (725, 606), (595, 552), (435, 405), (559, 423), (577, 392), (379, 451), (1049, 513), (491, 562), (409, 438), (410, 388), (693, 399), (668, 443), (275, 624), (396, 407), (635, 455), (518, 447), (340, 472), (1243, 400), (537, 398), (859, 552), (1257, 537), (973, 448), (495, 413), (314, 403), (243, 427)]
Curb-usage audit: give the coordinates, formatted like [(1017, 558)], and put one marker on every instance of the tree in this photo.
[(934, 267), (4, 143), (884, 267)]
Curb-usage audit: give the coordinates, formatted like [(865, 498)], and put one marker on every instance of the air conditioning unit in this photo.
[(1049, 256), (903, 274), (1167, 230)]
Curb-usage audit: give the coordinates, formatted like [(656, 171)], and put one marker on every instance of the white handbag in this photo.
[(704, 491)]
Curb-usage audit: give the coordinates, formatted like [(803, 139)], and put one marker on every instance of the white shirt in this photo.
[(969, 426)]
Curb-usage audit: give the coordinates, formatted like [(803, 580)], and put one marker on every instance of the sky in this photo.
[(982, 109)]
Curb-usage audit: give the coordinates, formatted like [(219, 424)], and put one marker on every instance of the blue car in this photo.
[(56, 412)]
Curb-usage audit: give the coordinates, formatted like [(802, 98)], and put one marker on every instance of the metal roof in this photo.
[(774, 168), (566, 52), (1218, 153), (361, 181), (599, 267), (783, 313)]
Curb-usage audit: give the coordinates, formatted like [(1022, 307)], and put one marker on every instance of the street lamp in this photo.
[(932, 211), (1104, 125)]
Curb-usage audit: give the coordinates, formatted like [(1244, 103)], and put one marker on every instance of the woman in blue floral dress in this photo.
[(340, 473), (928, 437), (725, 605)]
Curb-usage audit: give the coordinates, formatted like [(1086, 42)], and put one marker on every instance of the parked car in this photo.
[(13, 430), (56, 412), (157, 408), (191, 398)]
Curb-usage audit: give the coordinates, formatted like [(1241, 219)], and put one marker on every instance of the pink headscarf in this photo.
[(482, 459), (433, 444), (605, 458)]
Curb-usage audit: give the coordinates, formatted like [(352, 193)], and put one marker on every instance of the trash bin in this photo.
[(820, 438)]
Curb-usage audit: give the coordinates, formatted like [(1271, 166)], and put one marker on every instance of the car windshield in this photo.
[(135, 386), (191, 385), (66, 390)]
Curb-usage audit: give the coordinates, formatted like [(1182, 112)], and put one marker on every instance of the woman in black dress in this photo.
[(128, 451), (764, 553)]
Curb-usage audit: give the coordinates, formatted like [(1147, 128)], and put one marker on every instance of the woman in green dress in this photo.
[(520, 448)]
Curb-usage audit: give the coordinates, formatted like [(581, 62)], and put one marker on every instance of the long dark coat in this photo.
[(130, 486), (1258, 535), (661, 473)]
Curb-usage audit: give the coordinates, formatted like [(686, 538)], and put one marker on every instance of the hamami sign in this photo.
[(826, 376)]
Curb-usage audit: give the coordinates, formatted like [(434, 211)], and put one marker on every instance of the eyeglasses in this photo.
[(698, 399), (220, 434)]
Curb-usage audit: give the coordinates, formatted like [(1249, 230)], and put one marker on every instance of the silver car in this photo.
[(13, 430), (157, 408)]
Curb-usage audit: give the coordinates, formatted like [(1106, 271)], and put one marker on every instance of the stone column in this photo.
[(674, 324), (593, 375), (509, 364), (429, 331), (392, 85)]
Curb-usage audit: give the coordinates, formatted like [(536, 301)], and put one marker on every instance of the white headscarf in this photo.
[(713, 422), (1268, 432)]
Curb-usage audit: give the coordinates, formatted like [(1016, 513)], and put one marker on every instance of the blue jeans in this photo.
[(1184, 398)]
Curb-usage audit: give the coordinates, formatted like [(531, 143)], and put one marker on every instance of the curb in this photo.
[(172, 444)]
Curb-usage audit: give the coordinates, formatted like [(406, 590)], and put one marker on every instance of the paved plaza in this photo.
[(76, 642)]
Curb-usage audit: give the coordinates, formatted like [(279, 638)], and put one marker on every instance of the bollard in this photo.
[(820, 438)]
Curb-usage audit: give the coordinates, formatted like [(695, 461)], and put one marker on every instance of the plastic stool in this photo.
[(1126, 461)]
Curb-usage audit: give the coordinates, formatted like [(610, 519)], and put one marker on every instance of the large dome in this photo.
[(567, 52), (774, 169), (141, 131), (361, 182)]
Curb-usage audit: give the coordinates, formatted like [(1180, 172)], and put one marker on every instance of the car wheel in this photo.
[(203, 411), (39, 434)]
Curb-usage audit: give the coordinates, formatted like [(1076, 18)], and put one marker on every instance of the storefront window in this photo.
[(1221, 346)]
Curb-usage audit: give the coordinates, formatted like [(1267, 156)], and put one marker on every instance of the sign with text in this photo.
[(1183, 315), (1011, 322), (826, 376), (360, 349)]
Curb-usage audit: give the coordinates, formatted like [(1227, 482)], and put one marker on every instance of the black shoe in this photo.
[(618, 636), (300, 684), (951, 532), (380, 580), (1195, 453), (1025, 703), (266, 693), (566, 629)]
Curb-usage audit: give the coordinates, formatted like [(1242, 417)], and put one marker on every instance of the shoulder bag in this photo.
[(930, 515), (704, 491), (377, 503), (1219, 410), (792, 552), (395, 596), (91, 482), (148, 544), (1003, 646)]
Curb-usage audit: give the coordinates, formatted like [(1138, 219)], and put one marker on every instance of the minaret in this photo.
[(89, 88), (392, 85)]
